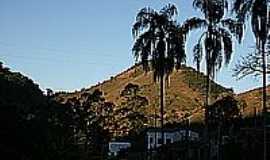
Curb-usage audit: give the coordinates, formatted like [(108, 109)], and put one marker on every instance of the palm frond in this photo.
[(179, 54), (193, 23), (176, 45), (142, 49), (200, 5), (158, 60), (197, 55), (237, 5), (213, 52), (217, 56), (217, 10), (169, 11), (227, 44), (143, 20), (235, 27), (242, 8), (259, 19), (158, 41), (145, 13), (226, 5), (213, 10), (137, 28)]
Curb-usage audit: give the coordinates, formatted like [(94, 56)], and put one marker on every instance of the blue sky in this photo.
[(71, 44)]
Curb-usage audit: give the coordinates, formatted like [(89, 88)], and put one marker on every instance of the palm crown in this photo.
[(158, 41), (257, 11), (216, 41)]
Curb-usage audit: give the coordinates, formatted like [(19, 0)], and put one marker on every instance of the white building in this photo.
[(154, 139), (115, 147)]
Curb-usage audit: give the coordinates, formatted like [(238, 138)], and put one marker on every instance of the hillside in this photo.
[(253, 99), (22, 111), (34, 126), (184, 93), (16, 89), (29, 118)]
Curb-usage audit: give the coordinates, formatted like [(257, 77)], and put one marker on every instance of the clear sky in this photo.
[(71, 44)]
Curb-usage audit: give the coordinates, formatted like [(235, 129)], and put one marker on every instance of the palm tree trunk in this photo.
[(219, 140), (264, 107), (155, 124), (162, 107), (207, 97)]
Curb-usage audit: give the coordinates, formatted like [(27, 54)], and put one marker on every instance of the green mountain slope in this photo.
[(184, 91)]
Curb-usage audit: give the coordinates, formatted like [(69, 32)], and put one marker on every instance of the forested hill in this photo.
[(184, 92), (17, 89), (21, 103), (253, 100), (34, 125)]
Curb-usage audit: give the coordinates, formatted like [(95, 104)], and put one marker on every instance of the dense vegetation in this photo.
[(184, 93), (34, 126), (79, 125)]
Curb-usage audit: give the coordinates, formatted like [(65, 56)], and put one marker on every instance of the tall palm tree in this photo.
[(158, 45), (258, 12), (216, 41)]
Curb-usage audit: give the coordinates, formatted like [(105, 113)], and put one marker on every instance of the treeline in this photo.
[(32, 125), (35, 126)]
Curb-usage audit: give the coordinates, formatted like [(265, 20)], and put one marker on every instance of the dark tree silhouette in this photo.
[(258, 12), (158, 45), (3, 68), (49, 92), (90, 120), (131, 117), (216, 41), (32, 126), (224, 120), (250, 65)]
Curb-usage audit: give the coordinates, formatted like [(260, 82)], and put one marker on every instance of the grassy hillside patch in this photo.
[(184, 91)]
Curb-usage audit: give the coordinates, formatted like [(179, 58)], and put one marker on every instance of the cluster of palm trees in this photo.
[(160, 41)]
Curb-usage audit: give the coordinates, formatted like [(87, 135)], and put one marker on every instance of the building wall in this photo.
[(153, 138), (115, 147)]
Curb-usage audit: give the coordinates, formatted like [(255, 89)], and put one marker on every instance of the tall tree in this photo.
[(224, 118), (250, 65), (90, 118), (158, 45), (216, 40), (257, 12), (131, 116)]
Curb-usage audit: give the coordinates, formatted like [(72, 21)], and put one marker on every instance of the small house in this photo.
[(115, 147)]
